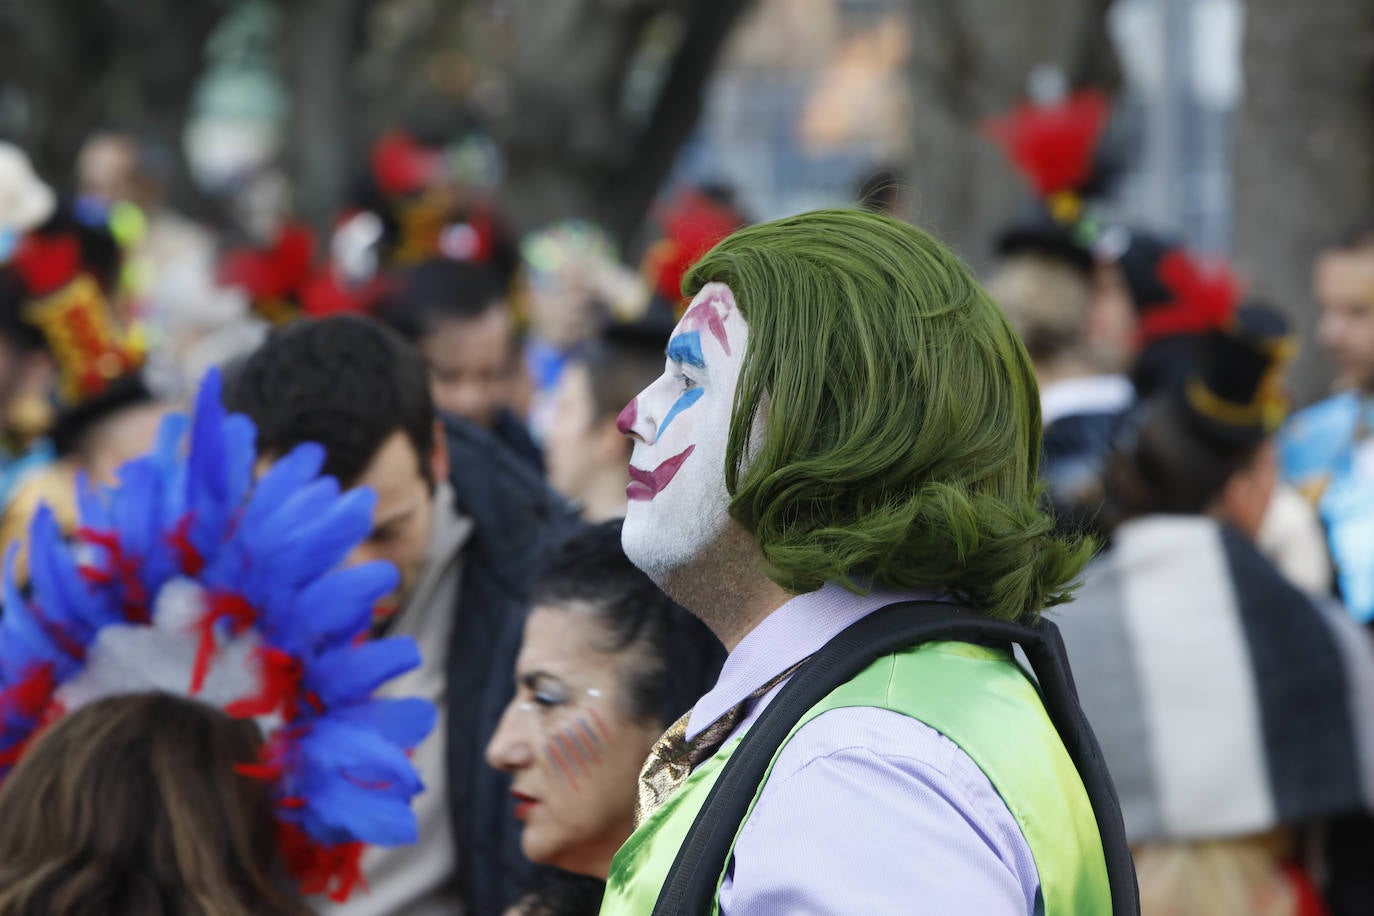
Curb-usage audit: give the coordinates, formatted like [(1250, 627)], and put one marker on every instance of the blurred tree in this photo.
[(972, 59), (73, 67), (1303, 166), (589, 100), (596, 100), (321, 42)]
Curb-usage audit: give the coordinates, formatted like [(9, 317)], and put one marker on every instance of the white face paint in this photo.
[(680, 424)]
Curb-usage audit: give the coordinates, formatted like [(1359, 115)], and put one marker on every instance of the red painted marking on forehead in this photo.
[(704, 315), (626, 421)]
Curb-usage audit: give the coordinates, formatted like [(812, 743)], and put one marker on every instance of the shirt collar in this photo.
[(791, 633), (1092, 394), (449, 533)]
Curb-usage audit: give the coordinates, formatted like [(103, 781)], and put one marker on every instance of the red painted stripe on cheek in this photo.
[(584, 743), (551, 749)]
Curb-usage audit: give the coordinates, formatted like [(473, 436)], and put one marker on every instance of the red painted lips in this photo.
[(646, 485), (524, 804)]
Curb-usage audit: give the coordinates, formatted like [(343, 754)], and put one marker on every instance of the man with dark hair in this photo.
[(586, 454), (464, 542), (1186, 640), (455, 314)]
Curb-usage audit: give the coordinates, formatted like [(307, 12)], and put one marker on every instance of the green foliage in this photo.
[(901, 419)]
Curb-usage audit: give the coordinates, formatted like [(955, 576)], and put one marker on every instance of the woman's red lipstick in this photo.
[(523, 805)]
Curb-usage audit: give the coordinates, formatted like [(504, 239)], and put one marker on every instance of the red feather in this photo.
[(121, 568), (691, 226), (324, 295), (28, 698), (47, 263), (277, 272), (401, 166), (1204, 298), (231, 607), (1053, 146), (281, 679), (335, 870)]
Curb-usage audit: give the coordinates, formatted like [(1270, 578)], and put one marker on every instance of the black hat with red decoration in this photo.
[(1057, 148), (1179, 300), (1234, 395)]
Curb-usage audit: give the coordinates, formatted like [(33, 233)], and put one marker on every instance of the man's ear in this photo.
[(438, 455)]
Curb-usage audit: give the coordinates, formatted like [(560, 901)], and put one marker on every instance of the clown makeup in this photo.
[(680, 425), (573, 752)]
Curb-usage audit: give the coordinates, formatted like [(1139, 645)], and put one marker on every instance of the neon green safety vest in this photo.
[(979, 699)]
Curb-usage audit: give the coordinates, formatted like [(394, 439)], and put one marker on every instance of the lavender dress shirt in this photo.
[(866, 810)]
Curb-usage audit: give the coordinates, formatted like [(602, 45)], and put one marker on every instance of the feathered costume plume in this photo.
[(1203, 298), (189, 577), (1053, 146)]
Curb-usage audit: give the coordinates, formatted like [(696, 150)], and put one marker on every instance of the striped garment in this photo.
[(1226, 701)]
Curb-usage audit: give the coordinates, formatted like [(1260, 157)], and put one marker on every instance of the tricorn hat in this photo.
[(1235, 395)]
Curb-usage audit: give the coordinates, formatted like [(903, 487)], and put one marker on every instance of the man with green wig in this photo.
[(846, 424)]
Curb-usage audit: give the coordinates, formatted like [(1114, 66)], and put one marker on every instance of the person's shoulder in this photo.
[(512, 507), (1341, 407), (479, 455), (1314, 437), (871, 788), (515, 436), (879, 743)]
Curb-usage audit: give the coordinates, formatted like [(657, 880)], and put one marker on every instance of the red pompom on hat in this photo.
[(401, 166), (1203, 298), (1053, 146)]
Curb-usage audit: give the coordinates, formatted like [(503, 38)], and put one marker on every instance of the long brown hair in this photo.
[(131, 805)]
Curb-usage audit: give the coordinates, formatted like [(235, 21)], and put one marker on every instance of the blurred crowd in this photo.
[(474, 381)]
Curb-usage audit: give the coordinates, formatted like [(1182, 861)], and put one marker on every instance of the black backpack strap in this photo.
[(692, 883)]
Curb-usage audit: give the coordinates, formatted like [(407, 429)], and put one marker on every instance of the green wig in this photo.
[(902, 429)]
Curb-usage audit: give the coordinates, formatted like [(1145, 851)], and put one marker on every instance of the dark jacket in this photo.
[(515, 436), (516, 517)]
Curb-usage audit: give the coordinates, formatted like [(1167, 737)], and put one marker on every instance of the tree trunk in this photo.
[(321, 40), (1303, 169), (571, 148), (971, 59), (82, 67)]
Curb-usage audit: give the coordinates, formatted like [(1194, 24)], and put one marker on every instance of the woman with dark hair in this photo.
[(607, 663), (131, 805), (1229, 705)]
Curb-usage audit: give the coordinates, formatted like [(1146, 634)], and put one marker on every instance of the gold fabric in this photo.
[(674, 757)]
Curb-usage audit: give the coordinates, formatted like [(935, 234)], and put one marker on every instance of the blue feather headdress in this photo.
[(192, 578)]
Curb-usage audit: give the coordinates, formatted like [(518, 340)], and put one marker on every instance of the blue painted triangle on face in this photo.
[(686, 349), (688, 398)]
